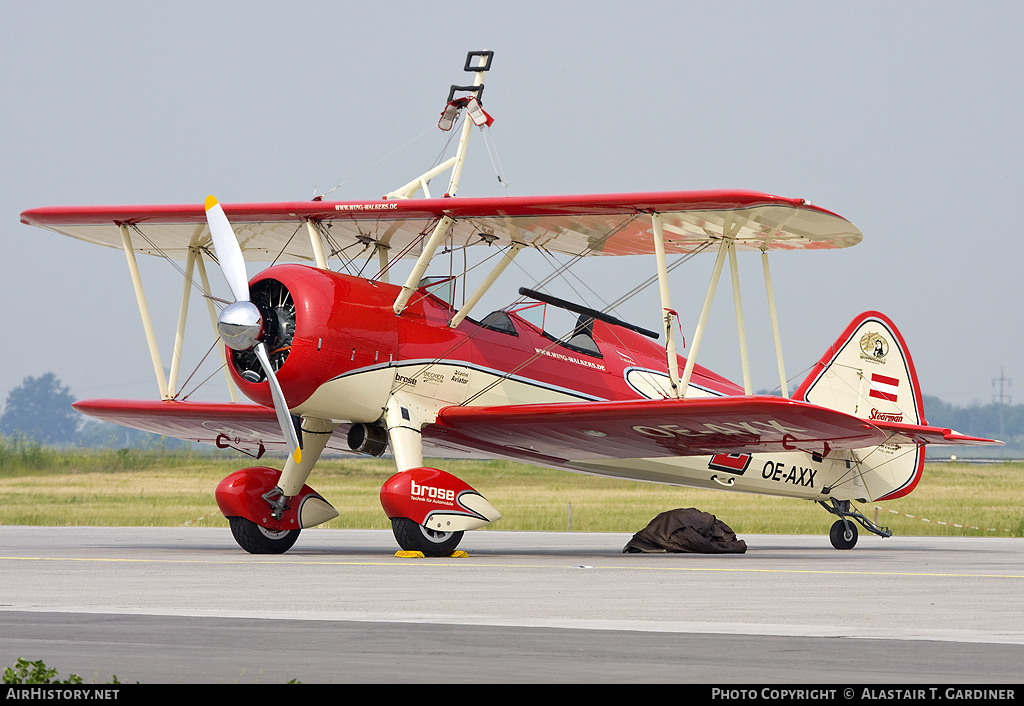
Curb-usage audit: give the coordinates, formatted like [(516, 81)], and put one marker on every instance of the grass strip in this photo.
[(50, 487)]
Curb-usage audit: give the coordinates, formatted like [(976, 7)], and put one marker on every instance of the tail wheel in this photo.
[(259, 540), (843, 534), (414, 537)]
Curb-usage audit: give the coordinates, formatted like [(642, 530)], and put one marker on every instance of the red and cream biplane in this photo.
[(345, 363)]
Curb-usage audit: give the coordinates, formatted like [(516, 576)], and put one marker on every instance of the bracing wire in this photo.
[(374, 164)]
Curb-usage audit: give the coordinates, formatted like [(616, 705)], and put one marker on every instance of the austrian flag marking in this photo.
[(884, 387)]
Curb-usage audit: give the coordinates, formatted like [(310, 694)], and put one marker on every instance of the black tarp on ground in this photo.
[(686, 530)]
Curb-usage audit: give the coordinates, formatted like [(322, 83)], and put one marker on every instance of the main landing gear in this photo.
[(263, 520), (429, 509), (267, 508), (844, 533)]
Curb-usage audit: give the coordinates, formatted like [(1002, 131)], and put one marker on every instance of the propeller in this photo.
[(240, 323)]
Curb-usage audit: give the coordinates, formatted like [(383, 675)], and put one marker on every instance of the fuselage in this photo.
[(348, 353)]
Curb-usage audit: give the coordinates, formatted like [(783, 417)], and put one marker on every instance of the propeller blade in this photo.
[(280, 406), (238, 325), (225, 244)]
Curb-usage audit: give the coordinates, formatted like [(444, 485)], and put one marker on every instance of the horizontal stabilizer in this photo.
[(936, 436)]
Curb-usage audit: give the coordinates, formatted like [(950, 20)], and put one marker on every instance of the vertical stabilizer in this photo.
[(868, 372)]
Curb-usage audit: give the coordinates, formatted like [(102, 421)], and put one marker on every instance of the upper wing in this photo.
[(576, 225), (652, 428)]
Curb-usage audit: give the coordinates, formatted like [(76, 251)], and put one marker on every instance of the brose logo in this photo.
[(444, 495)]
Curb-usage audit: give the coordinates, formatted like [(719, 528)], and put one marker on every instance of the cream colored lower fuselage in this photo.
[(428, 386)]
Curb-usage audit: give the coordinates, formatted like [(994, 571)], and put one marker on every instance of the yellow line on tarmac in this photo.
[(190, 561)]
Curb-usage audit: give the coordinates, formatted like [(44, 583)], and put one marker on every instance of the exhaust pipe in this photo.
[(370, 439)]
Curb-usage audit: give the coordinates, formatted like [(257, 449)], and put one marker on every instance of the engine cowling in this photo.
[(437, 500), (317, 326)]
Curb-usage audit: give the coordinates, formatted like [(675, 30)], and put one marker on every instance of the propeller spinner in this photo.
[(240, 323)]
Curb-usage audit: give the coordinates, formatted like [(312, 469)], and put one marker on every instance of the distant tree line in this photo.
[(40, 410), (992, 421)]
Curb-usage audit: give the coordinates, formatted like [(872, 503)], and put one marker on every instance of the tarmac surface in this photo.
[(186, 605)]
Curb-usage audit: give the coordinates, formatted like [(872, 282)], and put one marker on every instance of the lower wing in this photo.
[(661, 428)]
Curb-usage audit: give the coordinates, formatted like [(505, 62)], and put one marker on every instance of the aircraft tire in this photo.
[(257, 540), (414, 537), (843, 535)]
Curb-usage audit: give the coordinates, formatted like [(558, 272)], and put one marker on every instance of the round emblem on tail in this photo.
[(873, 346)]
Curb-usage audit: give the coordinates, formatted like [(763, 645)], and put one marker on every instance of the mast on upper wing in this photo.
[(477, 62)]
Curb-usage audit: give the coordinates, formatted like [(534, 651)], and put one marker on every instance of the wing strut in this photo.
[(208, 294), (783, 382), (666, 306), (167, 383), (698, 335), (505, 261), (436, 238), (147, 322), (179, 334), (728, 248), (734, 270), (313, 228)]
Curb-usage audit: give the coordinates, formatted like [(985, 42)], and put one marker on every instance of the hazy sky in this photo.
[(904, 117)]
